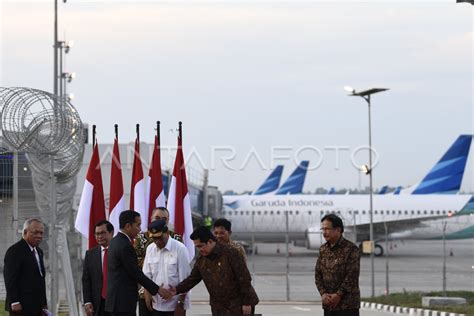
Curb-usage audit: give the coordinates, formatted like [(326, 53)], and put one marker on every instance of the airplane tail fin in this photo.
[(271, 183), (446, 176), (397, 190), (468, 208), (383, 190), (332, 191), (294, 183)]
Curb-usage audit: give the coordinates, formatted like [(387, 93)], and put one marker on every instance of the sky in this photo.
[(260, 83)]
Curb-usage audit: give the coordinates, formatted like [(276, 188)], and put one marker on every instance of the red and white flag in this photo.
[(155, 196), (91, 207), (179, 204), (137, 190), (117, 197)]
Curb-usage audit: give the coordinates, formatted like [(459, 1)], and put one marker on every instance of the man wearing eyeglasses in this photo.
[(141, 243), (94, 272), (337, 270), (167, 264)]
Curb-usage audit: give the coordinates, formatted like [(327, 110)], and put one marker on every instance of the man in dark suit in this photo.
[(24, 272), (94, 273), (123, 271)]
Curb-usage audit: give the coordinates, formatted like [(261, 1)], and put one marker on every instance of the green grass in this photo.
[(2, 309), (413, 299)]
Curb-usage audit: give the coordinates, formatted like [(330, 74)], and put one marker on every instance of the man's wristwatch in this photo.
[(181, 302)]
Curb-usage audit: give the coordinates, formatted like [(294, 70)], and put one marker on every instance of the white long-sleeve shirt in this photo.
[(167, 267)]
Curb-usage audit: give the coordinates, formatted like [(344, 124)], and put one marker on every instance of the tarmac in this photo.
[(413, 266), (279, 308)]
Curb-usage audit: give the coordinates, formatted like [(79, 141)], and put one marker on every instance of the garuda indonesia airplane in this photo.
[(417, 215)]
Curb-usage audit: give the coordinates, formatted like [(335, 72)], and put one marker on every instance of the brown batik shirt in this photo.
[(337, 271), (227, 280), (239, 247)]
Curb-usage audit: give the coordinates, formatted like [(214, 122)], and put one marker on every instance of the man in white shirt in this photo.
[(167, 264)]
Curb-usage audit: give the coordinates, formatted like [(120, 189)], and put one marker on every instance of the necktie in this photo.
[(104, 275), (35, 254)]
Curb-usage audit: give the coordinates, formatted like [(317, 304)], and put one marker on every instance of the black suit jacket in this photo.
[(23, 280), (92, 278), (123, 277)]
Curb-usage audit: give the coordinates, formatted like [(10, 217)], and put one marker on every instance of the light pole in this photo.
[(366, 94), (64, 48), (66, 77)]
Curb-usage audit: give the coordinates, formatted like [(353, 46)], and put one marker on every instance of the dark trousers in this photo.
[(142, 310), (158, 313), (102, 312), (124, 314), (346, 312)]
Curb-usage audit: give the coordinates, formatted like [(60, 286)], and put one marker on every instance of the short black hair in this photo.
[(222, 222), (335, 220), (203, 234), (160, 208), (127, 217), (108, 225)]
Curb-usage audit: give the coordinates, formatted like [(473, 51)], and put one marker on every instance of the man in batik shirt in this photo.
[(337, 270), (223, 231), (225, 275)]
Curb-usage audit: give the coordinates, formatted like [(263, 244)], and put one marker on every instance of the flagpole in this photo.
[(116, 131), (93, 136), (158, 132), (180, 130), (138, 134)]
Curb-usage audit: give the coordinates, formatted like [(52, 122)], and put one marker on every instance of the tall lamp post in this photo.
[(366, 94)]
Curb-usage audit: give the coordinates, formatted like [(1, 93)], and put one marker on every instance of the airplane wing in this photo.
[(395, 227)]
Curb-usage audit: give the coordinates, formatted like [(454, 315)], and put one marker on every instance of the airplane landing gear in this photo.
[(378, 251)]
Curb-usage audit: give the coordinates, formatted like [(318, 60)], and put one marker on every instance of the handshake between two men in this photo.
[(166, 294)]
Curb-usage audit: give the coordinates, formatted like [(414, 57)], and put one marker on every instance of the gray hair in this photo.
[(28, 222)]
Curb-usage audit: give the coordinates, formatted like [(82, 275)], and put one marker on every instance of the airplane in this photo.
[(412, 216)]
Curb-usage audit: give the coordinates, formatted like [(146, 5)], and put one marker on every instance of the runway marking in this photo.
[(302, 309)]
